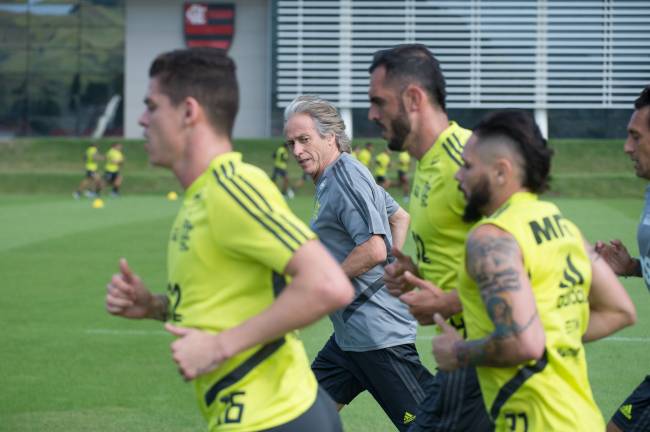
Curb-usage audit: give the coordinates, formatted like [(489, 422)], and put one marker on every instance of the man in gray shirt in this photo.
[(634, 412), (358, 222)]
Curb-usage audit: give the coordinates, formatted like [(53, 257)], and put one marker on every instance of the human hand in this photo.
[(618, 257), (426, 301), (126, 294), (196, 352), (444, 345), (394, 273)]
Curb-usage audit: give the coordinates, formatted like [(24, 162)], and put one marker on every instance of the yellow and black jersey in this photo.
[(91, 163), (228, 249), (280, 157), (436, 208), (553, 393)]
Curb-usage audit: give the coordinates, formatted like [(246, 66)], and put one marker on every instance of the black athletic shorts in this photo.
[(91, 174), (278, 172), (401, 175), (320, 417), (634, 413), (394, 376), (454, 404), (380, 179), (110, 177)]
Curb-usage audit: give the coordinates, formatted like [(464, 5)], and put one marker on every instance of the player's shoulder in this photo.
[(348, 174)]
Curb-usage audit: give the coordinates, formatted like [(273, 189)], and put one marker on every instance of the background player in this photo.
[(407, 100), (280, 159), (382, 163), (92, 178), (365, 155), (114, 162), (403, 167), (230, 247), (372, 347), (531, 290), (634, 412)]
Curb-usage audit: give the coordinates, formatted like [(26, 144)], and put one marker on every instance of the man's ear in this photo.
[(504, 170), (193, 111), (413, 97)]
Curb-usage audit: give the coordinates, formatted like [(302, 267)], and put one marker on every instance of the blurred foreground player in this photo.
[(231, 248), (532, 290), (634, 412)]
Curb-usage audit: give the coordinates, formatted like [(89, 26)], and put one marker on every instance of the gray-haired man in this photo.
[(372, 347)]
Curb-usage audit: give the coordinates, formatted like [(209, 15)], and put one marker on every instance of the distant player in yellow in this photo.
[(382, 163), (91, 179), (403, 167), (112, 168), (365, 155), (243, 271), (531, 288), (280, 158)]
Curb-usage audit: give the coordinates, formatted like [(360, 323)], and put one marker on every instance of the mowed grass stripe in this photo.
[(36, 221)]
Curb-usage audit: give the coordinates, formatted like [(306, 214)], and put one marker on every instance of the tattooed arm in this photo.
[(495, 263), (610, 307)]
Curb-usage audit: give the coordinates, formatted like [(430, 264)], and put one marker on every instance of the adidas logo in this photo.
[(626, 410), (408, 417)]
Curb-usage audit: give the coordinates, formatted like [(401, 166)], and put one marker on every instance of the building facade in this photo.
[(577, 65)]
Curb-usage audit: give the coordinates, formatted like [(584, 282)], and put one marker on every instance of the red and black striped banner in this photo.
[(209, 25)]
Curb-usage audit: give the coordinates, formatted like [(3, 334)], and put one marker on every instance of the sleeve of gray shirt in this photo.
[(391, 204), (362, 211)]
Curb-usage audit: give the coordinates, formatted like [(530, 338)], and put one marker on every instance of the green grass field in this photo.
[(66, 365)]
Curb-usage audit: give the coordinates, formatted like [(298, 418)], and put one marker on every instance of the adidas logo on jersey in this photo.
[(626, 410), (408, 417)]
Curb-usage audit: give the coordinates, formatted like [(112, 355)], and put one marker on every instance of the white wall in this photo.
[(154, 27)]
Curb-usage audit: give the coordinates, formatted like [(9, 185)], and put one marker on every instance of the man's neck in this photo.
[(434, 123), (329, 161), (201, 150)]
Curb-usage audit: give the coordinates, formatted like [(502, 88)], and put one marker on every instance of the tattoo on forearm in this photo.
[(490, 263)]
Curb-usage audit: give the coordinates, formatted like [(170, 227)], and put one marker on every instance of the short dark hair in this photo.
[(207, 75), (410, 63), (519, 127), (644, 99)]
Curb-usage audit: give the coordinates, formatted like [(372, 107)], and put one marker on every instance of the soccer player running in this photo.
[(634, 412), (114, 162), (280, 158), (372, 347), (531, 288), (91, 179), (403, 166), (232, 247), (365, 155), (382, 163), (407, 100)]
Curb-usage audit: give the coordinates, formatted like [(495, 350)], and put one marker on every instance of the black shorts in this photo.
[(634, 413), (91, 174), (401, 176), (394, 376), (278, 172), (320, 417), (110, 177), (380, 179), (455, 404)]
